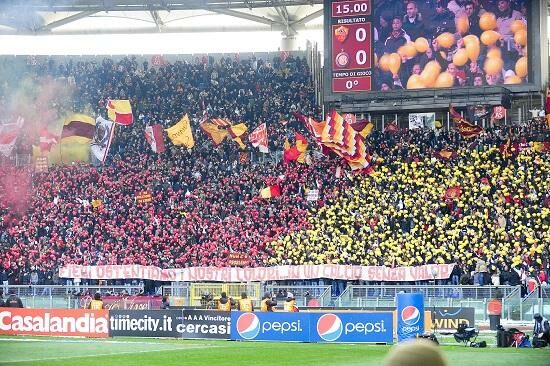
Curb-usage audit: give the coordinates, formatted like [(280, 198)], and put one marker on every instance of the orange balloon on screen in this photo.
[(472, 48), (521, 37), (462, 24), (489, 37), (395, 63), (446, 40), (493, 66), (487, 21), (461, 57), (512, 79), (421, 44), (494, 52), (430, 73), (384, 62), (517, 25), (415, 82), (521, 67), (444, 80), (410, 49)]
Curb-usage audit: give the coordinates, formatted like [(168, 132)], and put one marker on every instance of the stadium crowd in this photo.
[(206, 204)]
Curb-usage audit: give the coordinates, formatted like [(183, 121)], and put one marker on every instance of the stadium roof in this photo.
[(68, 17)]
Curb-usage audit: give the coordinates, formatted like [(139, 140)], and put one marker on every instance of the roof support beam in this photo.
[(156, 17), (308, 18), (254, 18), (67, 20)]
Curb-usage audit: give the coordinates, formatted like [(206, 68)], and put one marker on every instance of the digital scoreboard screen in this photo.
[(393, 45), (351, 45)]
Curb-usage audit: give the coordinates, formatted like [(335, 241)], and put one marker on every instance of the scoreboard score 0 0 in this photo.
[(350, 33)]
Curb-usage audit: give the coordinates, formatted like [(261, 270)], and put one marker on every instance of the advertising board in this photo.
[(186, 324), (376, 327), (54, 322)]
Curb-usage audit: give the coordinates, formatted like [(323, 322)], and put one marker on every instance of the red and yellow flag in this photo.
[(466, 129)]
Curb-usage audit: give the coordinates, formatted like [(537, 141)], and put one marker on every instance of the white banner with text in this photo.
[(278, 273)]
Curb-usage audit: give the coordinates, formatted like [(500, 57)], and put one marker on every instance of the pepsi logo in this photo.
[(410, 315), (329, 327), (248, 325)]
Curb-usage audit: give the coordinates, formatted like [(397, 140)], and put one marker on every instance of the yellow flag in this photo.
[(216, 134), (181, 134)]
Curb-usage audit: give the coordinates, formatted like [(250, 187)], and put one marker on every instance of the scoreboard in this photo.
[(350, 38)]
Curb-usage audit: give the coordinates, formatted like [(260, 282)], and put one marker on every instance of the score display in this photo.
[(350, 29)]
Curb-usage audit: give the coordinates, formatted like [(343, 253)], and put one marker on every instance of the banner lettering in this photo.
[(278, 273)]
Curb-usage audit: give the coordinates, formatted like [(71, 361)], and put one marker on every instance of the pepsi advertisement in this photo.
[(410, 315), (284, 327), (352, 327), (313, 327)]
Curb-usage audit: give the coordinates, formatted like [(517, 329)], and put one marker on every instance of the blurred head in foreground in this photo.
[(419, 352)]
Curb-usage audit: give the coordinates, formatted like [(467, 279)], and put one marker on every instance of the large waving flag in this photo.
[(216, 134), (181, 133), (153, 135), (99, 147), (270, 192), (258, 138), (78, 128), (74, 143), (363, 127), (301, 146), (120, 111), (236, 131), (290, 153), (466, 129)]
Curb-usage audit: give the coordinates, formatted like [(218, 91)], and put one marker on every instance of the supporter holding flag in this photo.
[(153, 135), (301, 146), (101, 143), (466, 129), (258, 138), (181, 133), (120, 112), (236, 132)]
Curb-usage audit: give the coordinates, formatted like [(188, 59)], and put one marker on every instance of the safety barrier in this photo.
[(207, 294)]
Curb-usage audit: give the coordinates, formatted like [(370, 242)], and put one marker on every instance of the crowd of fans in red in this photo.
[(206, 200)]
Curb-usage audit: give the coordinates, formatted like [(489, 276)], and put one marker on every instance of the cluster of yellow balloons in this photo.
[(364, 224)]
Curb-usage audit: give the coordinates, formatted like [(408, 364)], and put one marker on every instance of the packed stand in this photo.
[(206, 201)]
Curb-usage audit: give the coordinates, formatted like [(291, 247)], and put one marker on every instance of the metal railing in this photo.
[(536, 301), (65, 297), (435, 295), (305, 296)]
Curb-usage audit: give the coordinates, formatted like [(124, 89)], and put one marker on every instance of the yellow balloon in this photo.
[(415, 82), (410, 49), (438, 124), (493, 66), (462, 24), (445, 40), (489, 37), (444, 80), (470, 38), (512, 79), (395, 63), (421, 44), (472, 48), (494, 52), (461, 57), (384, 62), (487, 21), (521, 37), (521, 67), (517, 25), (430, 73)]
